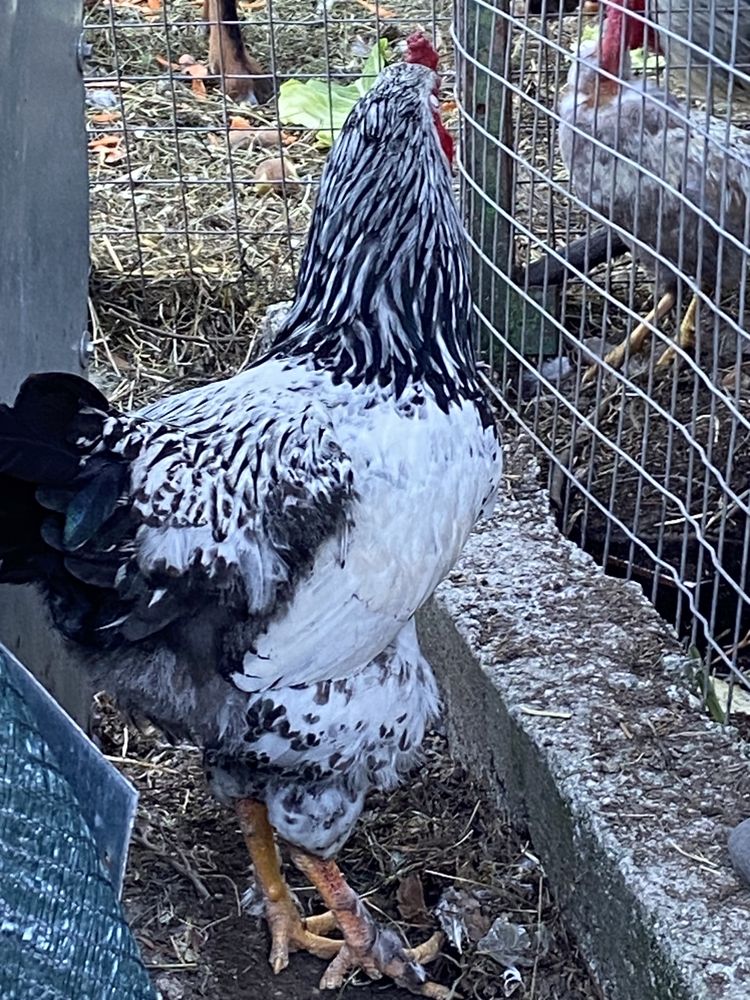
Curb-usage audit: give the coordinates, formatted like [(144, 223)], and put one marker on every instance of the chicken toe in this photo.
[(685, 337), (634, 343), (289, 931), (376, 950)]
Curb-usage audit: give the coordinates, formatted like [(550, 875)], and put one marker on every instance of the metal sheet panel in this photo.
[(43, 253)]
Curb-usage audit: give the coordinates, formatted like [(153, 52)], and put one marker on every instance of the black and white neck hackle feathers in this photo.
[(383, 291)]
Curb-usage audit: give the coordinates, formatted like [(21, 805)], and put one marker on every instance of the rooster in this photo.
[(720, 28), (658, 170), (242, 76), (241, 563)]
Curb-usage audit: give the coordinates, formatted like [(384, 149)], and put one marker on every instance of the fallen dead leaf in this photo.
[(163, 61), (105, 142), (108, 149), (410, 898), (378, 9), (148, 7), (198, 72), (105, 117), (120, 363)]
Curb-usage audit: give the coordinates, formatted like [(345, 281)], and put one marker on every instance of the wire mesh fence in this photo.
[(647, 462), (606, 192), (188, 248)]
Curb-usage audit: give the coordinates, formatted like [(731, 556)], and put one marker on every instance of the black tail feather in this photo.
[(55, 498), (37, 433)]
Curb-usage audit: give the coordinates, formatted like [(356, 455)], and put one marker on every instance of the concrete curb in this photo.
[(563, 694)]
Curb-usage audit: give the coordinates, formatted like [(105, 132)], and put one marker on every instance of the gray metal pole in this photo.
[(43, 258)]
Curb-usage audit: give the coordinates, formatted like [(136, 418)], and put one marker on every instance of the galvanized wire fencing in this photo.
[(647, 462), (188, 247), (588, 210)]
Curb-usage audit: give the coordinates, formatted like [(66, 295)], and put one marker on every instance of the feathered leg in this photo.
[(686, 336), (289, 931), (376, 950), (229, 59), (634, 343)]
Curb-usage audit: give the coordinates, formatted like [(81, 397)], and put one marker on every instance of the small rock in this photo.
[(739, 849), (247, 138), (268, 137), (170, 988), (96, 98), (277, 175)]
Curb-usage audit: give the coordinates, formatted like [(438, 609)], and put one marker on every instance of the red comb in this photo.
[(419, 50)]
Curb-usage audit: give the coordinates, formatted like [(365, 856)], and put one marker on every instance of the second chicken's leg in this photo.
[(289, 932), (376, 950), (241, 75), (633, 344), (686, 336)]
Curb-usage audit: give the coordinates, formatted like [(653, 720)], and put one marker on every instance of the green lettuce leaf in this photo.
[(324, 105)]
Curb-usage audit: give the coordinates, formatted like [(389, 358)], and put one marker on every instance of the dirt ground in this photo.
[(188, 870), (690, 436)]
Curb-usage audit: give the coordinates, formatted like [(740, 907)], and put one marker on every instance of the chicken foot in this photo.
[(376, 950), (686, 336), (633, 344), (289, 931)]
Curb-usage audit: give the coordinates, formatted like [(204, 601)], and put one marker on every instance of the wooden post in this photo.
[(43, 260), (483, 33)]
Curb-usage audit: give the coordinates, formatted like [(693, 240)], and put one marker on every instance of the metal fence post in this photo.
[(43, 258), (483, 59)]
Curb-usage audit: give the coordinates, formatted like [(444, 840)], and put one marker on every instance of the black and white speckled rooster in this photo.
[(241, 563)]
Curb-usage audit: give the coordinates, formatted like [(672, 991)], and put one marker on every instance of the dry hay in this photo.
[(186, 253)]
